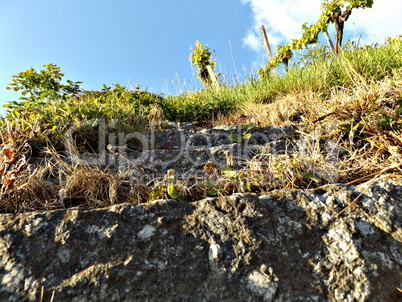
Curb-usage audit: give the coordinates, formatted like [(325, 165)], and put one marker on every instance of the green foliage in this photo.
[(245, 136), (313, 53), (329, 14), (39, 87), (318, 71), (130, 110), (395, 119), (39, 92), (171, 186), (309, 176), (50, 108), (198, 106), (201, 57), (319, 75)]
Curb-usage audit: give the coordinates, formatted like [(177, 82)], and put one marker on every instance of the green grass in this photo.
[(134, 109), (368, 63)]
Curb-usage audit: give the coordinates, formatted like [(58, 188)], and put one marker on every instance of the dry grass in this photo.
[(304, 107), (289, 109), (352, 134), (363, 121), (53, 184)]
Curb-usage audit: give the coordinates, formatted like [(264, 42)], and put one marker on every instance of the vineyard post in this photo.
[(329, 40), (212, 76), (269, 50)]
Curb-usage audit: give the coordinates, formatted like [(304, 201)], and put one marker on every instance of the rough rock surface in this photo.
[(282, 246)]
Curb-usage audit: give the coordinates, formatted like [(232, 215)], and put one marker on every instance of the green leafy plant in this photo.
[(333, 11), (236, 181), (39, 87), (40, 107), (171, 185), (202, 57), (244, 136), (49, 107), (317, 52), (395, 118), (212, 186)]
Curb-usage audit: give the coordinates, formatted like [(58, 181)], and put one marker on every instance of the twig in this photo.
[(323, 117), (374, 174), (42, 294)]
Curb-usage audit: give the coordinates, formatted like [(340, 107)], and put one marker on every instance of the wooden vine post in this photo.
[(269, 50), (329, 40), (212, 77), (264, 34)]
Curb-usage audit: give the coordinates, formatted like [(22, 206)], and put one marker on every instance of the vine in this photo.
[(332, 11), (202, 58)]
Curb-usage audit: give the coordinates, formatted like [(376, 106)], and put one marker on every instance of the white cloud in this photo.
[(283, 20), (380, 21), (251, 40)]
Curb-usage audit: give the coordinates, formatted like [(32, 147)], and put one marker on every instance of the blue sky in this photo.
[(148, 42)]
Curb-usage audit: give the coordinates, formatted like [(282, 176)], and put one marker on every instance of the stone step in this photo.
[(188, 149), (181, 137)]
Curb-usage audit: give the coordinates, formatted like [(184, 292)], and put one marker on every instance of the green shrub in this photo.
[(49, 108)]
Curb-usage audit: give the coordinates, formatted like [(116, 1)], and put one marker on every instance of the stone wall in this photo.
[(288, 245)]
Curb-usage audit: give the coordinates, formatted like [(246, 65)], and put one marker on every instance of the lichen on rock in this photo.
[(286, 245)]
